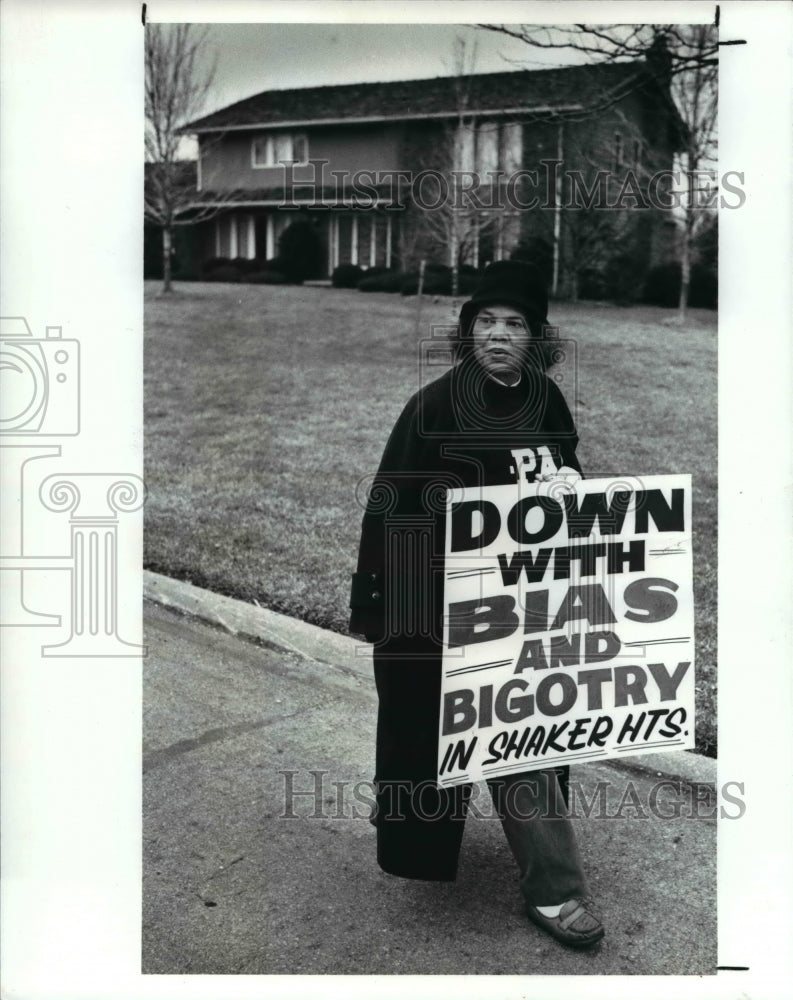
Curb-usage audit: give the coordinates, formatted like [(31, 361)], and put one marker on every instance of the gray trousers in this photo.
[(533, 813)]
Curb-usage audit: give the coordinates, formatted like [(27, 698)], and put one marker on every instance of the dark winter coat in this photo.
[(458, 431)]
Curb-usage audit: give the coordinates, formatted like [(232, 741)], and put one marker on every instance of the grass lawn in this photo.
[(267, 404)]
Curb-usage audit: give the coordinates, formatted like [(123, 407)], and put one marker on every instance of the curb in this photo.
[(249, 621), (340, 652)]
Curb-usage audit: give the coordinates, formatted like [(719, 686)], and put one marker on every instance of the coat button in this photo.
[(375, 595)]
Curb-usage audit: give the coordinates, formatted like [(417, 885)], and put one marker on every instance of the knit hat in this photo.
[(510, 283)]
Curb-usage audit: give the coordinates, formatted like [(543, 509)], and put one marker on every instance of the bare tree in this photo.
[(177, 87), (617, 174), (453, 219), (684, 58), (695, 91)]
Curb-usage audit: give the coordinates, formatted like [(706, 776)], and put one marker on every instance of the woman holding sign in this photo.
[(494, 418)]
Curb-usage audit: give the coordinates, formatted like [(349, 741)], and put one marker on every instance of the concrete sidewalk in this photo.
[(259, 858)]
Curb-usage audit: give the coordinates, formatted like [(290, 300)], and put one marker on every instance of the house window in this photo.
[(487, 147), (487, 151), (272, 150), (465, 146), (511, 147)]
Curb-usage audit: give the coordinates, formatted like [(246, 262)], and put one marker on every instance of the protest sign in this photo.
[(568, 625)]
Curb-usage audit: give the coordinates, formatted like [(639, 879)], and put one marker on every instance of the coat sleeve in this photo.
[(562, 424), (391, 490)]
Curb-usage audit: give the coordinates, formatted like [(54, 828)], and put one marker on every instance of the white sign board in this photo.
[(568, 625)]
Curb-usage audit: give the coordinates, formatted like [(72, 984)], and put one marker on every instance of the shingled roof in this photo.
[(558, 89)]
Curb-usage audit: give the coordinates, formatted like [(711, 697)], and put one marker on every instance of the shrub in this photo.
[(272, 264), (624, 277), (620, 281), (266, 278), (469, 271), (438, 280), (300, 252), (214, 263), (255, 271), (433, 275), (410, 282), (434, 284), (224, 272), (706, 245), (662, 287), (468, 279), (391, 281), (538, 252), (229, 273), (246, 265), (375, 272), (703, 291), (592, 285), (347, 276)]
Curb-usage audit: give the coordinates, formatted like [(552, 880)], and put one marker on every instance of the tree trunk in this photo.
[(689, 219), (685, 265), (419, 295), (685, 279), (166, 258)]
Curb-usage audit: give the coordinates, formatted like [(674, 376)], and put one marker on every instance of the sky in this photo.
[(278, 54), (250, 58), (256, 57)]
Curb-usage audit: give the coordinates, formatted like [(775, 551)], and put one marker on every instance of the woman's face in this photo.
[(501, 340)]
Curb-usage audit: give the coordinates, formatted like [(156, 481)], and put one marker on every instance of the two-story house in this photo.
[(446, 168)]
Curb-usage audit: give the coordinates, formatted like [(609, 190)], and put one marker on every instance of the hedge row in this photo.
[(300, 257), (618, 282), (241, 270), (662, 287), (437, 279)]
